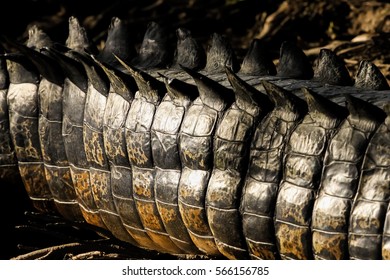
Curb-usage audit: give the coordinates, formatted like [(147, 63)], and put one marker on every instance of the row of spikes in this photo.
[(293, 63), (154, 53)]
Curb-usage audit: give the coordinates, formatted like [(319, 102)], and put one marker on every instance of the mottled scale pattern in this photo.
[(8, 161), (301, 176), (231, 153), (22, 102), (114, 119), (139, 147), (195, 141), (250, 166), (100, 174), (72, 132), (341, 173), (164, 132), (369, 208), (264, 174), (56, 165)]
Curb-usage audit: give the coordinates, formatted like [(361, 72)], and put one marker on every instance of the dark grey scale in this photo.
[(9, 171), (99, 168), (293, 63), (120, 97), (56, 164), (330, 69), (77, 39), (73, 103), (22, 100), (257, 61), (340, 177), (220, 55), (369, 208), (233, 132), (154, 51), (302, 166), (266, 169), (165, 151), (74, 95), (118, 44), (189, 53), (369, 76), (196, 154), (139, 148)]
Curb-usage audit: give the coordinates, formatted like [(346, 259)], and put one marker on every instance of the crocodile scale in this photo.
[(198, 153)]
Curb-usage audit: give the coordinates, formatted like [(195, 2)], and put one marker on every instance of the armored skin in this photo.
[(342, 167), (265, 171), (22, 100), (230, 159), (74, 97), (194, 153), (8, 161), (165, 150)]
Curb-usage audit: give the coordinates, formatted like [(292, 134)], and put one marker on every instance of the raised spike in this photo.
[(37, 38), (153, 52), (189, 52), (148, 86), (77, 37), (211, 92), (118, 43), (257, 61), (284, 99), (72, 68), (220, 54), (369, 76), (321, 105), (123, 84), (362, 110), (293, 63), (96, 75), (179, 90), (330, 69), (247, 97)]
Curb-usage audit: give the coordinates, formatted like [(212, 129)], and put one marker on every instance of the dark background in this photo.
[(310, 23)]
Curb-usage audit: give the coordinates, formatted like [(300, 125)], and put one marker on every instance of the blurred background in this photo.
[(355, 29)]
